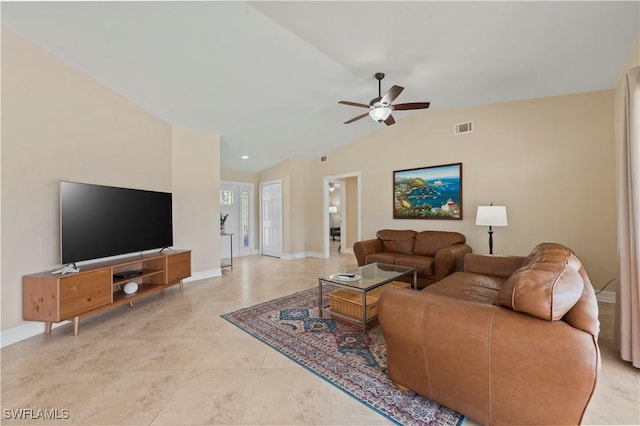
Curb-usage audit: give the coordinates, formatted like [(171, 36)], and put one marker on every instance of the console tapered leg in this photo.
[(400, 387)]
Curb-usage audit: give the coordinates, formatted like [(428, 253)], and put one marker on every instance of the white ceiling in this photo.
[(267, 76)]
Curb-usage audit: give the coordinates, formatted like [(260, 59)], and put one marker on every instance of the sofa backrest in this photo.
[(552, 285), (395, 241), (428, 243)]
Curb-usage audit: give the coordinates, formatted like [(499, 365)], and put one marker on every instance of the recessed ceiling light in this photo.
[(244, 157)]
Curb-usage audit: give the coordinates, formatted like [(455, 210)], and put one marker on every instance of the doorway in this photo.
[(336, 210), (341, 207)]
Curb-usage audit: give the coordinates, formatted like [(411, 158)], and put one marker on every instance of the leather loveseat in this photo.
[(434, 254), (508, 341)]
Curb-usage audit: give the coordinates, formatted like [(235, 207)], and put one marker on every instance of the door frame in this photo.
[(262, 184), (345, 224)]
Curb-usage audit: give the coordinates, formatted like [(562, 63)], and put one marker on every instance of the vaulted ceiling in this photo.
[(267, 76)]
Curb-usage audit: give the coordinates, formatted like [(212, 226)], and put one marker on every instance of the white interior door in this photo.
[(271, 218)]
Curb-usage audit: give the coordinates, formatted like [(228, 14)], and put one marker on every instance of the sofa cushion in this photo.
[(428, 243), (547, 286), (383, 257), (424, 265), (397, 241)]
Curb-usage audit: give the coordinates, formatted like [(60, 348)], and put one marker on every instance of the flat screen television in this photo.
[(100, 221)]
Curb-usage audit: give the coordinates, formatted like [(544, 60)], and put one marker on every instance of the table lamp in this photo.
[(491, 216)]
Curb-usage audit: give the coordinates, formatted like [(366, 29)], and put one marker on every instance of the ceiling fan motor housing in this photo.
[(375, 102)]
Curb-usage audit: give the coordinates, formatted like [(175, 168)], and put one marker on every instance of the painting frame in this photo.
[(432, 192)]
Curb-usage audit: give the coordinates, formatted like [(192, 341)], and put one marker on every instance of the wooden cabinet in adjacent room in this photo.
[(98, 287)]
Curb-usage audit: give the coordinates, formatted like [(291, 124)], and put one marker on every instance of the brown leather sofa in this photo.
[(509, 341), (434, 254)]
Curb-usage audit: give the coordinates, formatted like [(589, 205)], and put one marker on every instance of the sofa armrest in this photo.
[(449, 260), (364, 248), (484, 361), (495, 266), (429, 336)]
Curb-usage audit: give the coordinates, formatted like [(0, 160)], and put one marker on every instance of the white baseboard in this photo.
[(24, 331), (347, 250), (315, 254), (606, 297), (211, 273), (33, 328)]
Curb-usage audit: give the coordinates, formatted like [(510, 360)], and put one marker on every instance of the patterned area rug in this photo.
[(339, 353)]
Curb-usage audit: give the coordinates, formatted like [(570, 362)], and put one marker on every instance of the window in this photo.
[(245, 219), (226, 197)]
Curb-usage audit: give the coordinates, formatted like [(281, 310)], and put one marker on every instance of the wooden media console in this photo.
[(54, 298)]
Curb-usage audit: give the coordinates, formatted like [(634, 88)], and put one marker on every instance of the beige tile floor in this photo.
[(172, 360)]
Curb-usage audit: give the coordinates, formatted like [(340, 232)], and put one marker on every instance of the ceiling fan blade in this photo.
[(391, 94), (357, 118), (411, 105), (389, 121), (353, 104)]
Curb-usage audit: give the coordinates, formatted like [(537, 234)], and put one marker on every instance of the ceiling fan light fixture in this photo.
[(380, 113)]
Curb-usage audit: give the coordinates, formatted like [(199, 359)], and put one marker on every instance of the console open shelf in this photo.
[(145, 275), (55, 298)]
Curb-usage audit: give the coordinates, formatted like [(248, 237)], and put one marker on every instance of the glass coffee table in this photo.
[(362, 280)]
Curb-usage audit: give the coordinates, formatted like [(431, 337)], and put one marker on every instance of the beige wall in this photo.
[(196, 184), (235, 176), (59, 124), (549, 160)]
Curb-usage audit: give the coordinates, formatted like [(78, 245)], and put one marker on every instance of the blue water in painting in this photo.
[(436, 195)]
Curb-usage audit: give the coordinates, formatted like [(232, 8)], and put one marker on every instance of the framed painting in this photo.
[(428, 193)]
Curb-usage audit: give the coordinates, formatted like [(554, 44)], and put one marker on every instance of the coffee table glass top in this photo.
[(368, 276)]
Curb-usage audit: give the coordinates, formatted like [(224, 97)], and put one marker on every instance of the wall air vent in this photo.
[(466, 127), (324, 159)]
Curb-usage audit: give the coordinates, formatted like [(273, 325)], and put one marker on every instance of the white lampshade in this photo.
[(491, 216), (333, 209), (380, 113)]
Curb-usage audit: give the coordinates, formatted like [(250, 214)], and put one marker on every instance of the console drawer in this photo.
[(83, 292), (178, 266)]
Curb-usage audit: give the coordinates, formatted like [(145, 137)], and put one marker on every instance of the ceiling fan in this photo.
[(380, 108)]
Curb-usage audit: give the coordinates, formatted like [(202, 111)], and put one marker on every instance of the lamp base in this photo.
[(490, 240)]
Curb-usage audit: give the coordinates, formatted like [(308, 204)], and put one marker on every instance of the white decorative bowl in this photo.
[(130, 287)]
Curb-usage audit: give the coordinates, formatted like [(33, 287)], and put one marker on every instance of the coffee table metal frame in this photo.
[(372, 276)]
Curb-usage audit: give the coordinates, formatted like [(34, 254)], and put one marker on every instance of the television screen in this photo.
[(99, 221)]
